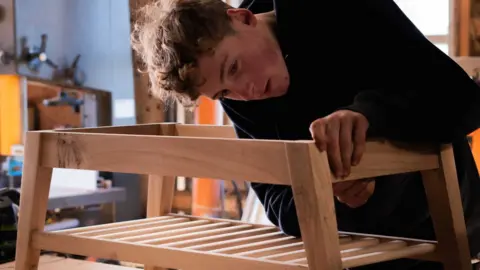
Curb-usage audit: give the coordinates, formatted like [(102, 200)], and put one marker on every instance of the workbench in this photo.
[(63, 197), (48, 262)]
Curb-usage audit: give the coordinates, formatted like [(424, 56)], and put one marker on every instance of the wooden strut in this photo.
[(176, 241), (148, 109)]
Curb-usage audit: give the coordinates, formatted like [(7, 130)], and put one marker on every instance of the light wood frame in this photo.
[(168, 240)]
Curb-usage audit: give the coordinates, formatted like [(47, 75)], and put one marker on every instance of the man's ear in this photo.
[(243, 15)]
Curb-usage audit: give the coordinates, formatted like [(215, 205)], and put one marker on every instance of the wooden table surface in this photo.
[(59, 263)]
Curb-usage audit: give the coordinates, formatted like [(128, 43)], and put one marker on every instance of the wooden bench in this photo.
[(196, 243)]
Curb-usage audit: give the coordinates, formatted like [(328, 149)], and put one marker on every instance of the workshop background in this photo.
[(69, 64)]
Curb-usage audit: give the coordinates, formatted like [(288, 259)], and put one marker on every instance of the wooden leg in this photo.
[(35, 187), (312, 189), (445, 204), (159, 200)]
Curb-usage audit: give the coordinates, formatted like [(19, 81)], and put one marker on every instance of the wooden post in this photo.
[(35, 189), (445, 204), (312, 190), (461, 33), (148, 109)]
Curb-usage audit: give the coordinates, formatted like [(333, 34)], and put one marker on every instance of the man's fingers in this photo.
[(354, 190), (342, 134), (357, 194), (333, 148), (363, 196), (339, 188), (352, 202), (318, 132), (359, 140), (346, 145)]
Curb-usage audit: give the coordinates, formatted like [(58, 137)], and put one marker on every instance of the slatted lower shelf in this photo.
[(177, 241)]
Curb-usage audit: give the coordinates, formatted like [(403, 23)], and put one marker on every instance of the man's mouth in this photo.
[(267, 88)]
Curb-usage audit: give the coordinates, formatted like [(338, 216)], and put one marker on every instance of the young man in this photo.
[(333, 71)]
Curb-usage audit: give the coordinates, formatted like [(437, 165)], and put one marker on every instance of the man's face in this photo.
[(245, 66)]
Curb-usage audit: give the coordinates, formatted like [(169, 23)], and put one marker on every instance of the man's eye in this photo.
[(233, 68), (224, 93)]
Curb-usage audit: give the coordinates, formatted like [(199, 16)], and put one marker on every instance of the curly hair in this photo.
[(170, 35)]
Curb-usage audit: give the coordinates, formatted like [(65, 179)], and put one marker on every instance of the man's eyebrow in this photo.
[(222, 75), (222, 69)]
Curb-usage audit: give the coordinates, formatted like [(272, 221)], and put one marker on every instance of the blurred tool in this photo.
[(14, 166), (65, 98), (36, 56), (70, 75)]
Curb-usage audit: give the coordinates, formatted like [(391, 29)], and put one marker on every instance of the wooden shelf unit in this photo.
[(185, 242)]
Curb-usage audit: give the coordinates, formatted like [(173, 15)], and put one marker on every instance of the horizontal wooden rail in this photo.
[(185, 130), (150, 255), (205, 131), (141, 129), (384, 158), (227, 159), (230, 159)]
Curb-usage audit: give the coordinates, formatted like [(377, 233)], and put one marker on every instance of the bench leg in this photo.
[(159, 200), (35, 187), (445, 204), (313, 194)]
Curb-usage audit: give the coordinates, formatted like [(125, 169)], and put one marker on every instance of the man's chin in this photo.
[(279, 92)]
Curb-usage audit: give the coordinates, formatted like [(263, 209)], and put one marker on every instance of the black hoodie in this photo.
[(367, 56)]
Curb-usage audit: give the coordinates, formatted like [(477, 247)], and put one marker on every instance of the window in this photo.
[(432, 17)]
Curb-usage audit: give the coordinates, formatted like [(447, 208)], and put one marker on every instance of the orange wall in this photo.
[(10, 113), (476, 146), (206, 191)]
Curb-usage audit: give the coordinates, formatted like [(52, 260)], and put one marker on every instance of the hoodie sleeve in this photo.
[(439, 103), (425, 97)]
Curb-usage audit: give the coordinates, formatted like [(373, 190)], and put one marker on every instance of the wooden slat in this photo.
[(389, 255), (185, 237), (107, 226), (385, 238)]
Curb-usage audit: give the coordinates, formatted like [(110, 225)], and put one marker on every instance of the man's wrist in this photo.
[(375, 116)]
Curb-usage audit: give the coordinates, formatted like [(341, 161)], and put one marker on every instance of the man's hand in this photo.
[(354, 193), (342, 134)]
